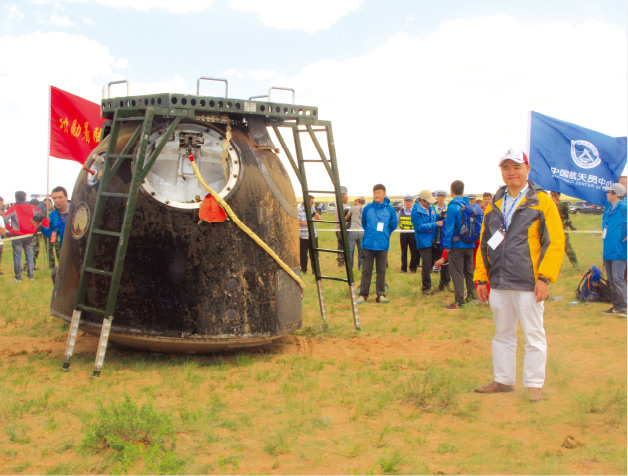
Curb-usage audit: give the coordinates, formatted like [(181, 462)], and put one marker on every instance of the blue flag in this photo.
[(570, 159)]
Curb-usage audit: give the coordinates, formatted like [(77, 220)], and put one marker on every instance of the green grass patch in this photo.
[(433, 390), (133, 433)]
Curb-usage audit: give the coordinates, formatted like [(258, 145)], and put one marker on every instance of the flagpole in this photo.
[(48, 141), (529, 132), (46, 245)]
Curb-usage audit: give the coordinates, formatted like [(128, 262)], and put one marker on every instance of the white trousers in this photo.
[(509, 307)]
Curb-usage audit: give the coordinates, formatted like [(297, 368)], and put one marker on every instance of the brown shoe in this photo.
[(495, 387), (534, 394)]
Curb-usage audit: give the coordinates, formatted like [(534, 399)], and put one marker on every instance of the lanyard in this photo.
[(380, 214), (509, 212)]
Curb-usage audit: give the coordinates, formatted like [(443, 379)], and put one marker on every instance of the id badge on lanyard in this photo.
[(496, 239), (499, 236)]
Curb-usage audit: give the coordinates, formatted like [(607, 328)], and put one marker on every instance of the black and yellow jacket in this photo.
[(534, 244)]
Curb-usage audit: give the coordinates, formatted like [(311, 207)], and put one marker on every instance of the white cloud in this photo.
[(87, 21), (178, 6), (174, 85), (262, 74), (308, 15), (420, 112), (172, 6), (28, 64), (12, 12), (233, 73), (57, 20)]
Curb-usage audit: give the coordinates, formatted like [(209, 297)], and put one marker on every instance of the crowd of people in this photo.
[(510, 245), (25, 222)]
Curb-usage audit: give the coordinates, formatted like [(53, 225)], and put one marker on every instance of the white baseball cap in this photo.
[(515, 155)]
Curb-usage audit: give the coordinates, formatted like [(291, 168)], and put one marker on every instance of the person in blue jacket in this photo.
[(379, 220), (614, 254), (425, 220), (460, 253), (58, 217)]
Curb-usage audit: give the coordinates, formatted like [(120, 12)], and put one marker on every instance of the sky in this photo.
[(420, 93)]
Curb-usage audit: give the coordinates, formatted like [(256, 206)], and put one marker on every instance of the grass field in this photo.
[(394, 398)]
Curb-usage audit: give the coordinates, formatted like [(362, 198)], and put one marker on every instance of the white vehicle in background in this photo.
[(331, 207)]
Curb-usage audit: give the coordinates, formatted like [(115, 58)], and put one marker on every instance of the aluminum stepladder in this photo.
[(311, 126), (140, 169)]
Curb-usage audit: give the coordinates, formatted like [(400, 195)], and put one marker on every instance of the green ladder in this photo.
[(305, 125), (140, 169)]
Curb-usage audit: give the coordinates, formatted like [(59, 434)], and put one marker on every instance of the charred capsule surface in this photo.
[(187, 285)]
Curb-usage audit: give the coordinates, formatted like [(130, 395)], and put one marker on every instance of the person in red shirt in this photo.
[(3, 230), (19, 222)]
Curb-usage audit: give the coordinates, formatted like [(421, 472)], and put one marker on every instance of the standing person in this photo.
[(460, 253), (58, 218), (40, 206), (304, 235), (341, 211), (614, 254), (356, 232), (521, 252), (486, 199), (406, 237), (3, 230), (50, 247), (426, 223), (437, 250), (379, 220), (473, 199), (624, 181), (563, 210), (19, 221), (441, 204)]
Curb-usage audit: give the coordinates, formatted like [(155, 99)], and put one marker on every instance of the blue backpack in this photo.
[(593, 287), (471, 223)]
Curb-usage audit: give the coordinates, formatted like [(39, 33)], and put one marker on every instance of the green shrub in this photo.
[(133, 433), (433, 390)]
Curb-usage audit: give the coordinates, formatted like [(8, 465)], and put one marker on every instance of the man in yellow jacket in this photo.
[(522, 245)]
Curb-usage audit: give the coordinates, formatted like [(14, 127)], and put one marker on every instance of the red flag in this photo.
[(75, 125)]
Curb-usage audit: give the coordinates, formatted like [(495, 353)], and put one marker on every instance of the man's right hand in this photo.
[(482, 290), (439, 223)]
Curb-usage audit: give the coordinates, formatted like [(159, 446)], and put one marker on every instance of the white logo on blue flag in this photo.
[(584, 154), (573, 160)]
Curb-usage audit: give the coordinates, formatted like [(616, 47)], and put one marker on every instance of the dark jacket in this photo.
[(534, 244)]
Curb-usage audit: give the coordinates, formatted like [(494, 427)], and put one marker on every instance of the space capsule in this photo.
[(187, 285)]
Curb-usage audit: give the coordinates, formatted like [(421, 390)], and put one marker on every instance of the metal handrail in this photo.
[(257, 97), (281, 89), (122, 81), (198, 84)]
